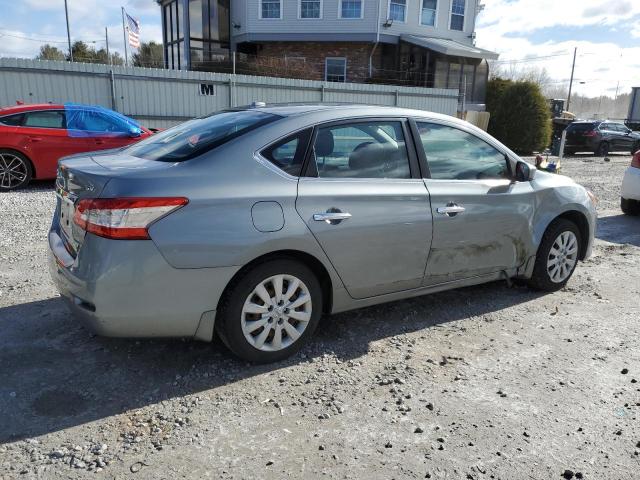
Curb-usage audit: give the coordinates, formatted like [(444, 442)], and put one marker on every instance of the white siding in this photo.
[(331, 23)]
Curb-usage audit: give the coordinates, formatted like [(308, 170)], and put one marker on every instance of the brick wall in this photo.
[(306, 60)]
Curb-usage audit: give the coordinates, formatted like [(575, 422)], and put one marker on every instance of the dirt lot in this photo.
[(486, 382)]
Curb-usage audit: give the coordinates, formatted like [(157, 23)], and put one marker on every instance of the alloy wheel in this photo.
[(563, 257), (13, 171), (276, 313)]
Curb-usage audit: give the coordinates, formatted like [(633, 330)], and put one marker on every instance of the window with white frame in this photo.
[(335, 69), (351, 8), (270, 9), (310, 8), (457, 15), (428, 13), (398, 10)]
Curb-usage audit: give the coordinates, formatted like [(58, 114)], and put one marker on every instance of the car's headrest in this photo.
[(324, 143), (369, 157)]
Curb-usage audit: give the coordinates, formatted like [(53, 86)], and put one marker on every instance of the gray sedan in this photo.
[(254, 222)]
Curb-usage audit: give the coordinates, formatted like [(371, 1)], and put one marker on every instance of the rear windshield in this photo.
[(581, 127), (195, 137)]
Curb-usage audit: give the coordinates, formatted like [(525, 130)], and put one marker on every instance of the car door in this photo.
[(45, 140), (481, 218), (362, 198), (624, 138)]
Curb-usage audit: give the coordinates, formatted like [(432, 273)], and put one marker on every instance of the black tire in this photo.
[(229, 318), (19, 165), (603, 149), (541, 280), (630, 207), (569, 151)]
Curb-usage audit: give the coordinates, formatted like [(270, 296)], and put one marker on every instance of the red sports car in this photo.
[(34, 137)]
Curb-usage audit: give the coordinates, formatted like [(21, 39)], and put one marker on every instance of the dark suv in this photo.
[(600, 138)]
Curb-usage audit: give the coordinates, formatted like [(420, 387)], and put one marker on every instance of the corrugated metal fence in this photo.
[(160, 98)]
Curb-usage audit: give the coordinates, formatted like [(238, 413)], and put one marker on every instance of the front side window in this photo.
[(270, 9), (457, 15), (195, 137), (428, 13), (371, 149), (351, 8), (398, 10), (453, 154), (288, 154), (310, 8), (335, 69), (47, 119)]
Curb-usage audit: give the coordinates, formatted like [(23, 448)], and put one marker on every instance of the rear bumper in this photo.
[(631, 184), (586, 144), (126, 289)]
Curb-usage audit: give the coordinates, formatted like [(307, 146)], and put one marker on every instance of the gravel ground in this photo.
[(484, 382)]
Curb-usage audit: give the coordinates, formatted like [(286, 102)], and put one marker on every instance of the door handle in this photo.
[(331, 217), (451, 210), (35, 139), (99, 142)]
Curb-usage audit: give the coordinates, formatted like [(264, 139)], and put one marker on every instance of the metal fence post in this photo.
[(112, 84), (231, 92), (322, 93), (397, 97)]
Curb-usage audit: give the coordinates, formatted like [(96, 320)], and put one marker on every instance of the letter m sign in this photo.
[(207, 89)]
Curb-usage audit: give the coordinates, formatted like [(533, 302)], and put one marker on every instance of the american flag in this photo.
[(133, 27)]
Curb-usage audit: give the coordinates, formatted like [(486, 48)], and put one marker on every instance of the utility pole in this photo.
[(573, 68), (106, 39), (124, 36), (66, 14)]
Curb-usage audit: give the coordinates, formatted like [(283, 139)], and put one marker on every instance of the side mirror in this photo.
[(135, 132), (523, 172)]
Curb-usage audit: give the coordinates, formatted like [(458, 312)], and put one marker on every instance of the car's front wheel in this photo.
[(630, 207), (15, 170), (270, 311), (557, 256), (603, 149)]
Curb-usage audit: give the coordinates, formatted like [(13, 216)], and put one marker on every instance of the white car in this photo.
[(630, 201)]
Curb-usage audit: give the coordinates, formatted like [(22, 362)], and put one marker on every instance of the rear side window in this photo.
[(288, 154), (372, 149), (454, 154), (580, 127), (195, 137), (12, 120), (44, 119)]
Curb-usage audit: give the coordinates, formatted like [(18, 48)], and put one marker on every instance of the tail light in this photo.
[(590, 133), (123, 218), (635, 161)]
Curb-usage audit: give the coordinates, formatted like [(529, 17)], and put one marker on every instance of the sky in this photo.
[(607, 34)]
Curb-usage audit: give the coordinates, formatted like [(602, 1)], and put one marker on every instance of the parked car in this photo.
[(600, 138), (34, 137), (630, 199), (256, 221)]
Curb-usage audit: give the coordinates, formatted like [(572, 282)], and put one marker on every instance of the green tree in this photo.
[(49, 52), (520, 115), (148, 55)]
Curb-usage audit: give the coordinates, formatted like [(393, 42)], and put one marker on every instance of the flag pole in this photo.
[(124, 36), (106, 38)]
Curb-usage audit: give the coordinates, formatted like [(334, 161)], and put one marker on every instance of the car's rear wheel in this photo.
[(630, 207), (557, 256), (603, 149), (270, 311), (15, 170)]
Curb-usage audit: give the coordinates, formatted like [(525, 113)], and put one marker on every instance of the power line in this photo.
[(532, 59), (41, 40)]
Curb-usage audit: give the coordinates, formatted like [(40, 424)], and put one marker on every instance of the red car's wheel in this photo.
[(15, 170)]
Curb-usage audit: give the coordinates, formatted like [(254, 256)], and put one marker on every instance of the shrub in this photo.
[(520, 115)]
